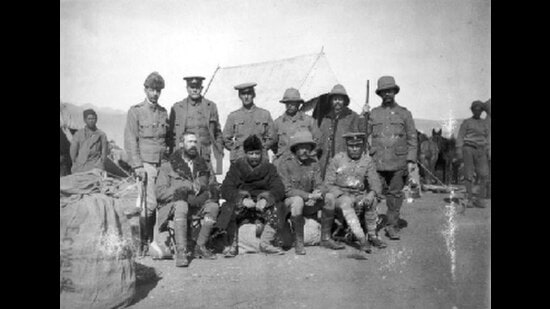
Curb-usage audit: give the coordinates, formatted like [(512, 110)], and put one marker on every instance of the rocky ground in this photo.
[(441, 261)]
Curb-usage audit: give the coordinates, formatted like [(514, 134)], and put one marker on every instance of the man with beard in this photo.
[(89, 145), (304, 189), (473, 145), (253, 191), (187, 187), (340, 120), (354, 187), (198, 114), (394, 148), (291, 122), (247, 120), (145, 144)]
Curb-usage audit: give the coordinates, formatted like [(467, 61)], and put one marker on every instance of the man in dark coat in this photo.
[(89, 145), (337, 122), (394, 148), (186, 186), (253, 190), (200, 115)]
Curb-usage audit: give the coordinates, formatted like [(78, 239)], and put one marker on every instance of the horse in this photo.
[(447, 159), (428, 153)]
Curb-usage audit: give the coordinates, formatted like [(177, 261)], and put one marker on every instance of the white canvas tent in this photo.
[(310, 74)]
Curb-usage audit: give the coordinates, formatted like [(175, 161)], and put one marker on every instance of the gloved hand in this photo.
[(181, 194), (249, 203), (267, 197), (261, 204), (368, 199), (316, 195), (310, 202)]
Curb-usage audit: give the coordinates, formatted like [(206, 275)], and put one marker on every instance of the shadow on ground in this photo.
[(146, 280)]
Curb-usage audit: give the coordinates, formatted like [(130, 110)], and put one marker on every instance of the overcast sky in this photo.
[(437, 50)]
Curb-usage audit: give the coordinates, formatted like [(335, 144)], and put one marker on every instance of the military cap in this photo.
[(194, 80), (354, 138), (244, 86), (154, 81), (477, 103)]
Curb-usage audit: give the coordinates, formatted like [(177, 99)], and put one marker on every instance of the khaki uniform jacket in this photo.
[(393, 137), (145, 133), (178, 121), (286, 126), (300, 179), (474, 132), (345, 175), (242, 123)]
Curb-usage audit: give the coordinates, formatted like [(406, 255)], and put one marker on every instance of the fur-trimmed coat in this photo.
[(263, 181)]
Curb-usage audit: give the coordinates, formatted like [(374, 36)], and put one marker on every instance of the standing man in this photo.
[(145, 143), (253, 190), (186, 186), (89, 145), (304, 190), (473, 144), (291, 122), (394, 148), (354, 186), (247, 120), (338, 121), (200, 115)]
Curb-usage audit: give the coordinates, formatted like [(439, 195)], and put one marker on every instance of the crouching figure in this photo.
[(254, 192), (354, 187), (187, 187)]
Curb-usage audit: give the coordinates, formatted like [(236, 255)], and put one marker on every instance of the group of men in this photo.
[(342, 163), (319, 166)]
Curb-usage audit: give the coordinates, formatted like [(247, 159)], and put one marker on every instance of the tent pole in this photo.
[(211, 79)]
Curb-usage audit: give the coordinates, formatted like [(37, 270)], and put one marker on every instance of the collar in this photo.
[(193, 102), (252, 109), (151, 105), (390, 106), (298, 116)]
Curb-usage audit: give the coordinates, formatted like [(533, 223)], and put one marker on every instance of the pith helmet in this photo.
[(339, 89), (154, 81), (386, 82), (301, 137), (291, 95)]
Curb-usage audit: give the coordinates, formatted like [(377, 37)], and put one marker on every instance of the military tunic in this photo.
[(393, 137), (348, 176), (145, 133), (201, 118), (244, 122), (285, 126)]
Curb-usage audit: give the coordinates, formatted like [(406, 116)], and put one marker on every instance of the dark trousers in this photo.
[(393, 181)]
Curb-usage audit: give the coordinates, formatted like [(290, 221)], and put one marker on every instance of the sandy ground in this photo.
[(414, 272)]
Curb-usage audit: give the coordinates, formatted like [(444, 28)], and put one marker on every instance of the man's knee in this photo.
[(181, 209), (211, 210), (296, 204), (345, 202), (330, 201)]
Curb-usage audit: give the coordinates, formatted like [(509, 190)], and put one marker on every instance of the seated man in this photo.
[(186, 187), (353, 185), (253, 190), (301, 176)]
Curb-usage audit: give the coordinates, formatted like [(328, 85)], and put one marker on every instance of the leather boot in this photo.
[(180, 235), (364, 245), (327, 219), (377, 242), (232, 239), (392, 233), (298, 224), (201, 251), (268, 235)]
